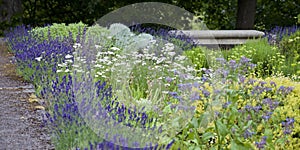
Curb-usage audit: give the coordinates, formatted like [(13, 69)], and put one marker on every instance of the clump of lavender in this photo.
[(276, 34), (67, 116), (37, 59), (288, 125), (261, 144)]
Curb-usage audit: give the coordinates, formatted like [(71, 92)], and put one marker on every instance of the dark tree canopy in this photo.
[(217, 14)]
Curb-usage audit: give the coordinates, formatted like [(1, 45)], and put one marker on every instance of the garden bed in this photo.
[(114, 88)]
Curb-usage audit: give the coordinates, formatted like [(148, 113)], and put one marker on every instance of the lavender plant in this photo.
[(276, 34), (268, 58)]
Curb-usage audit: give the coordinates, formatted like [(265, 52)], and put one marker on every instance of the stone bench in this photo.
[(219, 38)]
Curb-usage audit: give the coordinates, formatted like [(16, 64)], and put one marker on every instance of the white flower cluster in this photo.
[(135, 64)]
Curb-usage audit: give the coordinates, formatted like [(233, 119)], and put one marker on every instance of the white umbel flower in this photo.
[(67, 70), (62, 65), (68, 56), (39, 58), (114, 48)]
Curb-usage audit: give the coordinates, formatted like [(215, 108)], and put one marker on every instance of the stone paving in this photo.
[(20, 123)]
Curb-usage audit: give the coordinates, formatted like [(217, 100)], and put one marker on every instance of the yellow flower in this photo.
[(199, 107), (260, 127)]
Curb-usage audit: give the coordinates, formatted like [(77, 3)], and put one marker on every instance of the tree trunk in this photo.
[(246, 14), (8, 8)]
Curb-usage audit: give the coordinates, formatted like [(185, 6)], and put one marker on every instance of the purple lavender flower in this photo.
[(232, 64), (225, 73), (289, 89), (196, 85), (288, 125), (244, 60), (257, 90), (257, 108), (226, 104), (262, 83), (273, 83), (276, 34), (170, 144), (241, 79), (233, 130), (248, 133), (173, 94), (204, 79), (205, 93), (248, 108), (195, 96), (251, 81), (267, 101), (267, 89), (168, 79), (185, 86), (221, 60), (267, 115), (262, 143), (285, 90), (272, 104)]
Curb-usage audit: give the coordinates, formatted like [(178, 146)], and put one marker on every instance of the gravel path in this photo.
[(20, 123)]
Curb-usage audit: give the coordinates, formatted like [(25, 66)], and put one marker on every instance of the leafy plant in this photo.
[(59, 31), (290, 48), (241, 114), (197, 57), (268, 59)]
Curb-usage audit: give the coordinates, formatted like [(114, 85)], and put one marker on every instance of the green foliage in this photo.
[(290, 48), (96, 32), (290, 108), (213, 126), (215, 14), (39, 12), (197, 57), (267, 58), (270, 13), (15, 20), (59, 30), (239, 122)]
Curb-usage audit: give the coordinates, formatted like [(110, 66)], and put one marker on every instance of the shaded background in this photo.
[(217, 14)]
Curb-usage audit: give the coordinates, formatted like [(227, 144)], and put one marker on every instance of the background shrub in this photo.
[(197, 57), (267, 58), (290, 45), (290, 48), (60, 30)]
